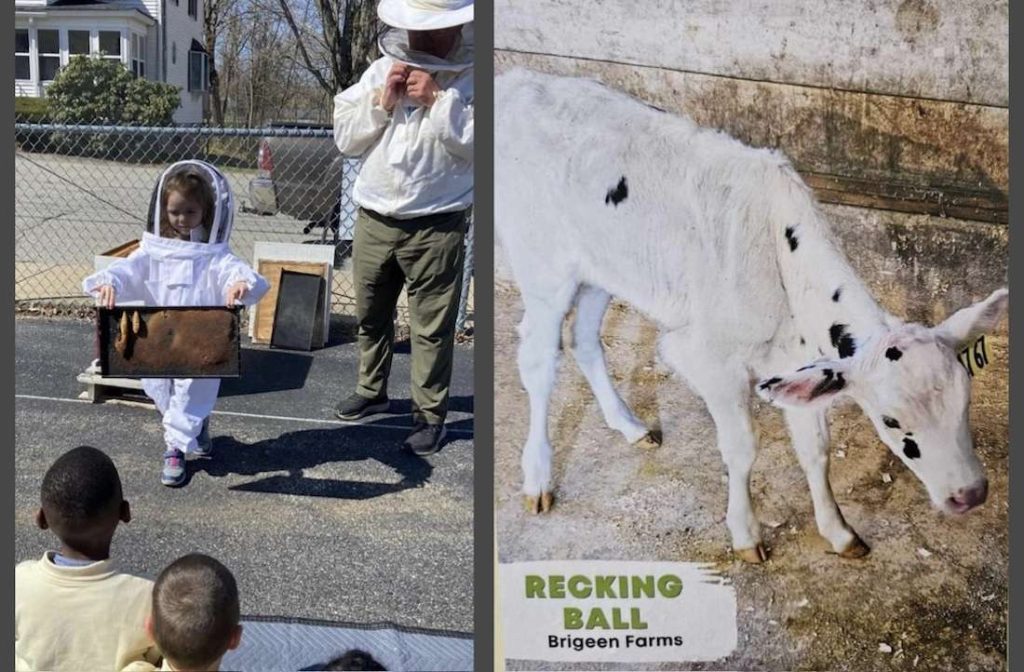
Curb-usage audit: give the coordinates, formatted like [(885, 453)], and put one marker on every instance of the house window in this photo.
[(198, 74), (174, 53), (110, 44), (138, 55), (78, 43), (22, 66), (193, 8), (48, 45)]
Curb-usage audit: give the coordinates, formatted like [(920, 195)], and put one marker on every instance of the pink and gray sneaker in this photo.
[(173, 473)]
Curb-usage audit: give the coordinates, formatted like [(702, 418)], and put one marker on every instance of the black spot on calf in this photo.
[(893, 353), (890, 422), (842, 340), (830, 382), (791, 239), (835, 295), (618, 194), (768, 383), (910, 449)]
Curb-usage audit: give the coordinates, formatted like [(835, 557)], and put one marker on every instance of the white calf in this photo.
[(722, 245)]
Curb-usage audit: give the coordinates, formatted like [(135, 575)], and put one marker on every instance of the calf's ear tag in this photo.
[(974, 357)]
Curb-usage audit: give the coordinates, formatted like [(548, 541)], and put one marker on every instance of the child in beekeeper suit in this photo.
[(183, 260)]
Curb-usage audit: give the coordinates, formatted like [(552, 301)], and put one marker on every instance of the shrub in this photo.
[(99, 91), (31, 110), (102, 91)]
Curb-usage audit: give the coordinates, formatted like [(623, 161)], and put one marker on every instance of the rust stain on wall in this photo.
[(922, 268), (921, 143), (935, 49), (916, 17)]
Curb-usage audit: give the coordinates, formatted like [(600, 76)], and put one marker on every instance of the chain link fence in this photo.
[(81, 191)]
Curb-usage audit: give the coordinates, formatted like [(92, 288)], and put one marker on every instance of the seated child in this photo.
[(72, 609), (195, 613), (183, 260)]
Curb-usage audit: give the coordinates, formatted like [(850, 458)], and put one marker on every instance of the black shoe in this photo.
[(358, 406), (425, 439)]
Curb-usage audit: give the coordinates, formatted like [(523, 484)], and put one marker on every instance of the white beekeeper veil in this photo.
[(400, 16), (216, 229)]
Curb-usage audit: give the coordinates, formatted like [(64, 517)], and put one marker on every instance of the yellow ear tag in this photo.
[(974, 358)]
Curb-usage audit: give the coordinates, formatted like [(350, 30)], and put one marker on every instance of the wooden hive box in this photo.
[(265, 310), (292, 257)]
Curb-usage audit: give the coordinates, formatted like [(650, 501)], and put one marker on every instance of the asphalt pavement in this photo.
[(317, 518)]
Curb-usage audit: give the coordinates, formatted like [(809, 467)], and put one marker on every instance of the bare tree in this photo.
[(216, 14), (337, 44), (266, 64), (282, 59)]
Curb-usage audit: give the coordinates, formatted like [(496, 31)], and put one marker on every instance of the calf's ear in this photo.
[(967, 324), (812, 386)]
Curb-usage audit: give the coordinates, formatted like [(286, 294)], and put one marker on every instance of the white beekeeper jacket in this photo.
[(416, 160), (172, 272)]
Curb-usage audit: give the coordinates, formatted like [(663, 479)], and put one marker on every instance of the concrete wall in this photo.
[(943, 49), (894, 111)]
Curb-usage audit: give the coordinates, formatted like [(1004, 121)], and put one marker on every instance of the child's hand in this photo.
[(235, 293), (106, 296)]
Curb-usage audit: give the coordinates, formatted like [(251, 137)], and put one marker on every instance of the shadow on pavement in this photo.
[(294, 452), (297, 451), (268, 371), (463, 404)]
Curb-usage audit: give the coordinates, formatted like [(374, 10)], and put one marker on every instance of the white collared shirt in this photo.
[(416, 161)]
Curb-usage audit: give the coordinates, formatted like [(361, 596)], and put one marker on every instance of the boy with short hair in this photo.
[(195, 617), (72, 609)]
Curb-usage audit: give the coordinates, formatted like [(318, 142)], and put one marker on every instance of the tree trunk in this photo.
[(214, 12), (348, 32), (360, 36)]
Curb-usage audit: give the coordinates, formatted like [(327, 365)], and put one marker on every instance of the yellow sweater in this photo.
[(81, 618)]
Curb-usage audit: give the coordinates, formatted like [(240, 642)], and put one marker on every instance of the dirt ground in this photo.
[(932, 594)]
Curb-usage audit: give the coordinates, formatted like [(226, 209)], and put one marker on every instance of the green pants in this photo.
[(425, 254)]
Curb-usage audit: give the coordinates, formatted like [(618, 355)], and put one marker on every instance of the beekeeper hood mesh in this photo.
[(218, 230), (394, 42)]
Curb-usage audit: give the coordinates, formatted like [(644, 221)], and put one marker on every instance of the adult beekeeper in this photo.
[(183, 260), (410, 120)]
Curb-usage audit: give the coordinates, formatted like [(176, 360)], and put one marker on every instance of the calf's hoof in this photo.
[(754, 556), (540, 504), (648, 441), (855, 549)]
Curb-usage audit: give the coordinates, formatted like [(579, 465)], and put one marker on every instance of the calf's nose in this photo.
[(972, 496)]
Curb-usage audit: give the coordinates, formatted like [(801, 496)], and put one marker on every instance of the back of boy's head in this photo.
[(195, 610), (81, 495), (354, 659)]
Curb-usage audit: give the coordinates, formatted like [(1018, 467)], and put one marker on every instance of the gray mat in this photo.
[(280, 645)]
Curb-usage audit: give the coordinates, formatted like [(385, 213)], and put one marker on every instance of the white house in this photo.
[(158, 39)]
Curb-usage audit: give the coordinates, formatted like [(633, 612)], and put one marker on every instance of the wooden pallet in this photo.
[(99, 389)]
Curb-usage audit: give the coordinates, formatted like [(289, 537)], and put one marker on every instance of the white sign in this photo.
[(611, 611)]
